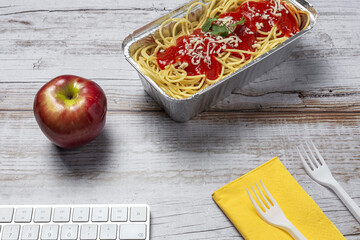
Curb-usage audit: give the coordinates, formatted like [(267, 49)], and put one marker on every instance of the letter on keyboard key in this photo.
[(49, 232), (10, 232), (88, 232), (100, 214), (42, 215), (62, 214), (138, 214), (30, 232), (69, 232), (23, 215), (81, 214), (6, 215), (132, 231), (108, 232)]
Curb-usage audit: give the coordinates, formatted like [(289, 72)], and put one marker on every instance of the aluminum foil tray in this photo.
[(184, 109)]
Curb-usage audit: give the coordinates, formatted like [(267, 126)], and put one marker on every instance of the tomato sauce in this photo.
[(196, 53)]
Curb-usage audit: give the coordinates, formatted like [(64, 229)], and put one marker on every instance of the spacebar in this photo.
[(132, 231)]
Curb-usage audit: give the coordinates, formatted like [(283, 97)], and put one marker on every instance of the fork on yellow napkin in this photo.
[(297, 205)]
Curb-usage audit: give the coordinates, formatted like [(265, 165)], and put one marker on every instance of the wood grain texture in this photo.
[(143, 156)]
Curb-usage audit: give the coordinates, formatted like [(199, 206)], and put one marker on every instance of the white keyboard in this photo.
[(71, 222)]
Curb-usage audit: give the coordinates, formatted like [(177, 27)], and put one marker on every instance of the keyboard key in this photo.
[(108, 232), (23, 215), (132, 231), (88, 232), (119, 214), (100, 214), (73, 222), (69, 232), (42, 215), (61, 214), (6, 215), (50, 232), (138, 214), (10, 232), (81, 214), (30, 232)]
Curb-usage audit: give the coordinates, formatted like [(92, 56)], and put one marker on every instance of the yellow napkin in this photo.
[(297, 205)]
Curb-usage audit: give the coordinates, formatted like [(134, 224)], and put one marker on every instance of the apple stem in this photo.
[(70, 96)]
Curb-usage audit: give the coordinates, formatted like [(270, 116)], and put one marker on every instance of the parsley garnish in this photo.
[(241, 22), (219, 29), (207, 25)]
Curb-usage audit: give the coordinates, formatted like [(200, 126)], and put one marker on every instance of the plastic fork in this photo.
[(272, 213), (320, 173)]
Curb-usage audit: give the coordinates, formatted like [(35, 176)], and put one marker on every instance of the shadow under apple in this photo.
[(89, 160)]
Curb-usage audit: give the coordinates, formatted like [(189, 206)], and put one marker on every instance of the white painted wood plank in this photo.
[(19, 7), (128, 95)]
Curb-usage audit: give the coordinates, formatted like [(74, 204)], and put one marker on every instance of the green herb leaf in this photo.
[(207, 25), (219, 30), (241, 22)]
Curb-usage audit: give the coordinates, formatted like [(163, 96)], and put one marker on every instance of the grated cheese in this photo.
[(265, 16), (259, 25), (277, 8), (194, 47), (248, 31)]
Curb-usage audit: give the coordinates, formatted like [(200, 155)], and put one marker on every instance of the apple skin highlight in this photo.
[(70, 110)]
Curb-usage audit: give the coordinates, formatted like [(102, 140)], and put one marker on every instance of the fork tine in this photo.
[(306, 166), (262, 194), (316, 162), (269, 194), (318, 154), (308, 158), (261, 202), (256, 206)]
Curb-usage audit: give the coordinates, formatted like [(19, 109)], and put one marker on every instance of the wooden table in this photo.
[(143, 156)]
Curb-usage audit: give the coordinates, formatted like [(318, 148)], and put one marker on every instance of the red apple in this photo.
[(70, 110)]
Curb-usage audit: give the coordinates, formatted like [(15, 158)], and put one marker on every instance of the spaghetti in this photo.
[(191, 53)]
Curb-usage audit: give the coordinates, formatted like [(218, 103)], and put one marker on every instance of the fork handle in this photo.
[(346, 199), (293, 231)]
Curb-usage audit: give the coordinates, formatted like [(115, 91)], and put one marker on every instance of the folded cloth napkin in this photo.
[(297, 205)]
